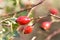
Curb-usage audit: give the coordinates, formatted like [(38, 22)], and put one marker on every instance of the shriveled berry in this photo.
[(28, 30), (23, 20), (53, 11), (46, 25)]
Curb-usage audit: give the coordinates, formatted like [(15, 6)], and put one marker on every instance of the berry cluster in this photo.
[(23, 20)]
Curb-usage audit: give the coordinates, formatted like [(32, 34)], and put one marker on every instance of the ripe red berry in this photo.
[(23, 20), (53, 11), (28, 30), (46, 25)]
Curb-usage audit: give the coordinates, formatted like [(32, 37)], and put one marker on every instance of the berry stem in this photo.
[(53, 19), (30, 12), (37, 19), (55, 16)]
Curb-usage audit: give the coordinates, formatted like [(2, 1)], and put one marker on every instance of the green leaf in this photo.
[(15, 34), (5, 38), (24, 13), (14, 26)]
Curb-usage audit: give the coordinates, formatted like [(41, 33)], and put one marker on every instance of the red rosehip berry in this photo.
[(53, 11), (28, 30), (23, 20), (46, 25)]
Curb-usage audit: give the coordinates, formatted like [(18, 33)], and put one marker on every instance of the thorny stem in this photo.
[(53, 34)]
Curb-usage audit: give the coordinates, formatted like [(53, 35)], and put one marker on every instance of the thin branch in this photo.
[(53, 34), (55, 16), (37, 19), (31, 7)]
